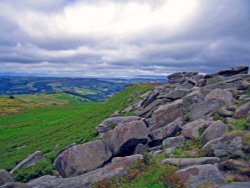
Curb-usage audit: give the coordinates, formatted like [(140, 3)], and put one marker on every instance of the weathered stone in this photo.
[(123, 139), (223, 96), (30, 161), (15, 185), (176, 142), (83, 158), (111, 123), (194, 129), (117, 168), (5, 177), (237, 185), (215, 130), (240, 166), (180, 76), (176, 94), (141, 149), (243, 110), (224, 112), (195, 97), (200, 175), (150, 98), (166, 114), (202, 109), (167, 131), (233, 71), (185, 162), (225, 147)]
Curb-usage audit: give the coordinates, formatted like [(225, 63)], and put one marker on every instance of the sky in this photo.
[(122, 38)]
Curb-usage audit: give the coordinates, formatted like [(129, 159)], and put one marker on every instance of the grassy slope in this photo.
[(51, 128), (51, 99)]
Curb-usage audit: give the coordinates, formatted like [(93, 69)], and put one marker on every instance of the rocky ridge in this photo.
[(192, 113)]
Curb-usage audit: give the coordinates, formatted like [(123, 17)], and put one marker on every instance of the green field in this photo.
[(49, 129), (52, 99)]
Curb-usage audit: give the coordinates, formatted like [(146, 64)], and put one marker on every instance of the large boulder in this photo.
[(83, 158), (176, 94), (123, 139), (215, 130), (223, 96), (234, 71), (15, 185), (110, 123), (175, 142), (166, 114), (185, 162), (117, 168), (202, 109), (201, 175), (167, 131), (240, 166), (225, 147), (243, 110), (237, 185), (30, 161), (5, 177), (180, 76), (194, 129)]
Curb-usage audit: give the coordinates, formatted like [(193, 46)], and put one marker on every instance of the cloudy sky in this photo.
[(104, 38)]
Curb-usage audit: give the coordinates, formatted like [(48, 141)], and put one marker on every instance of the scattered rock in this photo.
[(117, 168), (215, 130), (5, 177), (167, 131), (237, 185), (200, 175), (83, 158), (194, 129), (15, 185), (223, 96), (243, 110), (185, 162), (30, 161), (239, 166), (225, 147), (224, 112), (176, 142), (123, 139), (166, 114), (233, 71), (176, 94), (111, 123), (141, 149)]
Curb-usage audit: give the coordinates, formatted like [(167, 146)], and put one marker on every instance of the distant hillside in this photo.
[(90, 89)]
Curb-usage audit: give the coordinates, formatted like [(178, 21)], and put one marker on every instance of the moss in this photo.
[(240, 124), (179, 153)]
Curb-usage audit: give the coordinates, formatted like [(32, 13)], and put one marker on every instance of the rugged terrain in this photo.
[(192, 131)]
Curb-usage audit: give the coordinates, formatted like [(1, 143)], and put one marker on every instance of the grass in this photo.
[(240, 124), (52, 99), (12, 106), (49, 129)]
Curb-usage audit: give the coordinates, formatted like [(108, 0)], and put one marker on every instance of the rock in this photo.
[(223, 96), (147, 111), (194, 129), (176, 142), (240, 166), (202, 109), (176, 94), (237, 185), (123, 139), (234, 71), (180, 76), (167, 131), (30, 161), (111, 123), (185, 162), (141, 149), (215, 130), (231, 108), (166, 114), (195, 97), (224, 112), (225, 147), (243, 110), (117, 168), (5, 177), (15, 185), (169, 151), (150, 98), (200, 175), (83, 158)]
